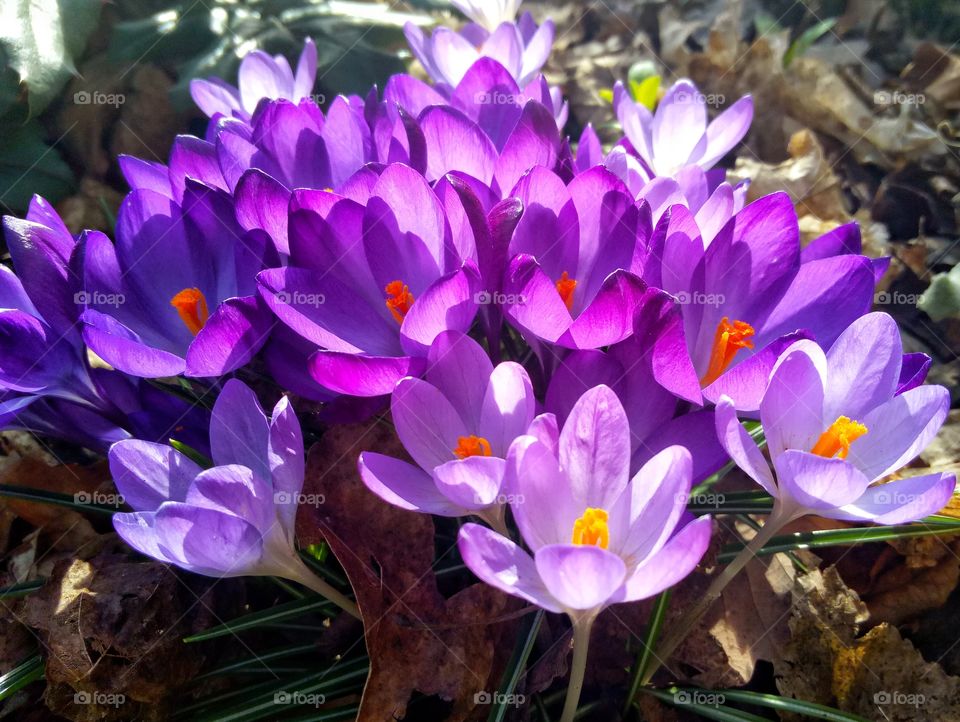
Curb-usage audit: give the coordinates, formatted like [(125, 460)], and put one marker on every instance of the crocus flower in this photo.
[(677, 133), (597, 536), (743, 294), (372, 284), (233, 519), (521, 47), (176, 293), (260, 76), (457, 424), (835, 424)]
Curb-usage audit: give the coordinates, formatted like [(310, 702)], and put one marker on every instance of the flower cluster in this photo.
[(566, 337)]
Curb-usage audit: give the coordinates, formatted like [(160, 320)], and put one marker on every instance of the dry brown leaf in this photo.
[(444, 647), (935, 71)]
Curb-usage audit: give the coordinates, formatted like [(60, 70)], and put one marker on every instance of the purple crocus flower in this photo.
[(835, 424), (677, 133), (260, 76), (597, 536), (743, 293), (234, 519), (521, 47), (372, 284), (176, 293), (457, 424)]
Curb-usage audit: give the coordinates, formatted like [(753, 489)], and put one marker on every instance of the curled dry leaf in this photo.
[(416, 639)]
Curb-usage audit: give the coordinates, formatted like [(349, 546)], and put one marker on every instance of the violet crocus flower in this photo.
[(176, 294), (522, 47), (835, 424), (597, 537), (743, 293), (457, 424), (260, 76), (678, 133), (372, 284), (233, 519)]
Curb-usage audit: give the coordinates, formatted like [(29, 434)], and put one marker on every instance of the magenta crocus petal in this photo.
[(362, 374), (404, 485), (792, 410), (214, 97), (544, 428), (816, 483), (899, 429), (643, 518), (427, 424), (726, 130), (537, 306), (901, 501), (230, 338), (502, 564), (678, 127), (537, 51), (137, 530), (608, 319), (508, 406), (578, 372), (237, 490), (843, 240), (595, 449), (672, 563), (473, 483), (207, 541), (411, 94), (453, 54), (148, 474), (448, 304), (286, 461), (864, 366), (458, 366), (534, 477), (580, 577), (697, 431), (635, 120), (454, 142), (742, 448), (534, 142), (117, 345), (261, 202), (913, 371), (306, 70), (260, 76), (589, 149), (506, 45), (239, 431), (716, 211)]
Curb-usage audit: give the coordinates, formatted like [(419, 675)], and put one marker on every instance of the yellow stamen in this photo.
[(836, 440), (566, 287), (192, 308), (399, 299), (591, 529), (730, 338), (472, 446)]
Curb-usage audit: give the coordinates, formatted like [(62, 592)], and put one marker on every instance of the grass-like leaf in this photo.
[(650, 637), (516, 666), (807, 710), (14, 591), (20, 676), (683, 699), (264, 617), (51, 497)]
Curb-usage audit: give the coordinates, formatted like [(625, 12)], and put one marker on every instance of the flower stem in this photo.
[(318, 585), (775, 522), (581, 642)]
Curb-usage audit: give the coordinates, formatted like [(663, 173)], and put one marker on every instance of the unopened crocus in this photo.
[(261, 76), (678, 133), (372, 284), (457, 424), (233, 519), (835, 424), (596, 537)]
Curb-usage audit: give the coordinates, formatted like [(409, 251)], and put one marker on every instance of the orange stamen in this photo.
[(730, 338), (591, 529), (191, 305), (399, 299), (565, 287), (836, 440), (472, 446)]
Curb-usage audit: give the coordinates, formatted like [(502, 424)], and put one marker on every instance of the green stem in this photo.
[(775, 522), (581, 643), (318, 585), (654, 625)]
